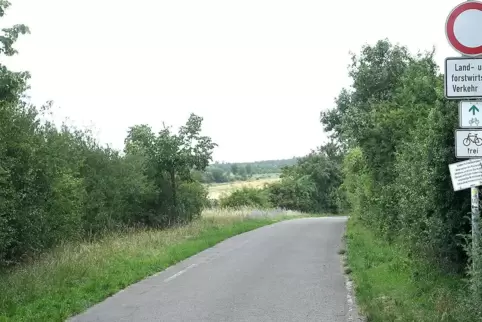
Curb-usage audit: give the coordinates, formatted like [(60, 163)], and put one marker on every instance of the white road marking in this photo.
[(206, 260), (179, 273)]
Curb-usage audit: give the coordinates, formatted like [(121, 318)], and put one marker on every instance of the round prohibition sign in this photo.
[(462, 28)]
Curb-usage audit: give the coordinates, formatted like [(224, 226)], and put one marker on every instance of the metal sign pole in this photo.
[(469, 90), (474, 193), (475, 227)]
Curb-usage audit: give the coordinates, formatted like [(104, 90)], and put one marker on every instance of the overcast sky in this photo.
[(258, 71)]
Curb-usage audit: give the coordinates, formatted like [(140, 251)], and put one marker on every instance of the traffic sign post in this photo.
[(470, 114), (463, 80)]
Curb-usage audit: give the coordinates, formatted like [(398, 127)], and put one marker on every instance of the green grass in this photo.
[(392, 287), (71, 278)]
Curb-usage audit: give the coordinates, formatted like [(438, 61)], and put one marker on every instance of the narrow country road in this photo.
[(289, 271)]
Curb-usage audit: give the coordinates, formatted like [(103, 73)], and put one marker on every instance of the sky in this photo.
[(258, 71)]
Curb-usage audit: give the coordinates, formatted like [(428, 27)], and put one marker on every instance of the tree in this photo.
[(174, 155), (313, 184), (249, 170), (242, 172), (139, 139), (12, 84), (234, 168), (218, 175), (179, 154)]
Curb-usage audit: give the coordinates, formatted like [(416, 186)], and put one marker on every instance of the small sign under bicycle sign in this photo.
[(470, 114), (468, 143)]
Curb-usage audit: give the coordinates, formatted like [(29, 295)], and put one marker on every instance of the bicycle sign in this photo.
[(472, 138), (470, 114), (467, 143)]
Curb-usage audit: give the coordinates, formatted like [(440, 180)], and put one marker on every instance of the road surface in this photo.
[(288, 271)]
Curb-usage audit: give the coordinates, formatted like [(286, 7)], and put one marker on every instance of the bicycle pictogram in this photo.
[(473, 121), (472, 138)]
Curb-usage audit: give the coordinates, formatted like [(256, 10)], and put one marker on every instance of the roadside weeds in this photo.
[(392, 287)]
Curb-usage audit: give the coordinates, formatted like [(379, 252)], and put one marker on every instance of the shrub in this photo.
[(251, 197)]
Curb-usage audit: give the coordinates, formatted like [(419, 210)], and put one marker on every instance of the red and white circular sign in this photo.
[(463, 28)]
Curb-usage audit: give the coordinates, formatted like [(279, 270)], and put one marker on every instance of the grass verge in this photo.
[(71, 278), (392, 287)]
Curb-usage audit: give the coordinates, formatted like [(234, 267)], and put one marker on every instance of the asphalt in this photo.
[(288, 271)]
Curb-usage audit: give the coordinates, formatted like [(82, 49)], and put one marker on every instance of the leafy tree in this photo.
[(312, 185), (242, 172), (295, 193), (179, 154), (12, 84), (218, 175), (249, 171), (234, 168), (172, 155)]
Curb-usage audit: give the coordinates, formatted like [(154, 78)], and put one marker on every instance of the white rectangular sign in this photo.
[(468, 143), (466, 174), (463, 77), (470, 114)]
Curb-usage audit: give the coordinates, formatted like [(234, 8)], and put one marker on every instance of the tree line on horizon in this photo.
[(221, 172)]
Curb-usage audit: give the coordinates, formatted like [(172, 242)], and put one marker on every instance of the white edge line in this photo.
[(353, 310), (179, 273)]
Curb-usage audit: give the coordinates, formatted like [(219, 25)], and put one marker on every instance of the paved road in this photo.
[(289, 271)]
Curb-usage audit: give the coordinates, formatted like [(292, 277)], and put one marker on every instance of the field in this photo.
[(218, 189)]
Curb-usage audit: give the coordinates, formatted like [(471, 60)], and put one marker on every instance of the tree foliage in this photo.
[(246, 197), (59, 184), (225, 172), (171, 160), (399, 130), (312, 185)]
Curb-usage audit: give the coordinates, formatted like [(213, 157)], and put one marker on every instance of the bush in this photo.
[(312, 184), (59, 185), (294, 193), (251, 197)]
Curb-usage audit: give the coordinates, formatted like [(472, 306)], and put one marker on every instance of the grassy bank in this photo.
[(73, 277), (392, 287)]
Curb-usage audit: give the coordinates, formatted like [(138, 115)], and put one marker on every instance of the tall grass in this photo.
[(392, 286), (250, 212)]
